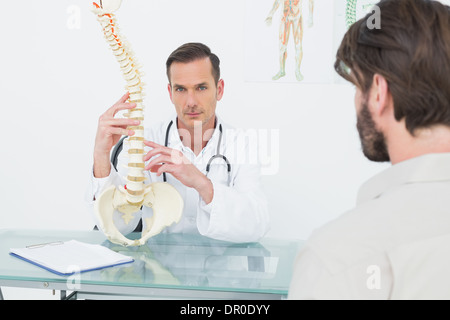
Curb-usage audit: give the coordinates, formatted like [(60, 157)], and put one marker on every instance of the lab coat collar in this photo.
[(175, 142), (427, 168)]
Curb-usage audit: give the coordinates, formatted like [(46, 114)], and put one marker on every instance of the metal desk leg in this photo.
[(72, 296), (1, 294)]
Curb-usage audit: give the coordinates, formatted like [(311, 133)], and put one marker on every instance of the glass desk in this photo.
[(170, 266)]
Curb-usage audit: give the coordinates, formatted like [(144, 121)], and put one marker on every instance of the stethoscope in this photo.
[(217, 156)]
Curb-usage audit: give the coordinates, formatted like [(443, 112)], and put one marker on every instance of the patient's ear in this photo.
[(380, 96)]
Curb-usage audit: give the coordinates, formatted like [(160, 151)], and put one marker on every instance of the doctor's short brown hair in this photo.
[(194, 51), (411, 51)]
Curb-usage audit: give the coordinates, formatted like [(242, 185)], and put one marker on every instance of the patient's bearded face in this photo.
[(373, 141)]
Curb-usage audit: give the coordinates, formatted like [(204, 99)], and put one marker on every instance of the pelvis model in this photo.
[(163, 198)]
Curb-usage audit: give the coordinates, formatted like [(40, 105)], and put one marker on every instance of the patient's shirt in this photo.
[(395, 244)]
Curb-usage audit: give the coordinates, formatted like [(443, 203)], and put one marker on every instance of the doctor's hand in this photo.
[(167, 160), (109, 132)]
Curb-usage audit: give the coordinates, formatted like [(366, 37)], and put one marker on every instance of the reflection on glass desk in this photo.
[(170, 266)]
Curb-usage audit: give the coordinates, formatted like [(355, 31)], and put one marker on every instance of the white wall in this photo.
[(56, 81)]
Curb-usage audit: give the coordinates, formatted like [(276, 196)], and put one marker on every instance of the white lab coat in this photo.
[(238, 212)]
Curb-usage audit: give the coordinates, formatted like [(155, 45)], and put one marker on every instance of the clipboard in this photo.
[(71, 257)]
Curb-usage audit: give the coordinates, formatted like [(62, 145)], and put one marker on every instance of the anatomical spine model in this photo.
[(165, 200)]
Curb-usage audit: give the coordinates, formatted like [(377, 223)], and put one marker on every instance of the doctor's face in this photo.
[(194, 93)]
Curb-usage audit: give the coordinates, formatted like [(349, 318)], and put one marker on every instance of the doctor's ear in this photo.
[(169, 88), (220, 89)]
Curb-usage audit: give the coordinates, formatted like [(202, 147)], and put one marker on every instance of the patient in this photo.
[(395, 244)]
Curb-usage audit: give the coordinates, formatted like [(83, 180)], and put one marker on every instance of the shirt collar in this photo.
[(427, 168), (175, 142)]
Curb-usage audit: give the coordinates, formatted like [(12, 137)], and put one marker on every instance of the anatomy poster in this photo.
[(296, 41), (289, 41)]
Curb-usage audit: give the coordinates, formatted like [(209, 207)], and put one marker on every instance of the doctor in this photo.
[(206, 160)]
